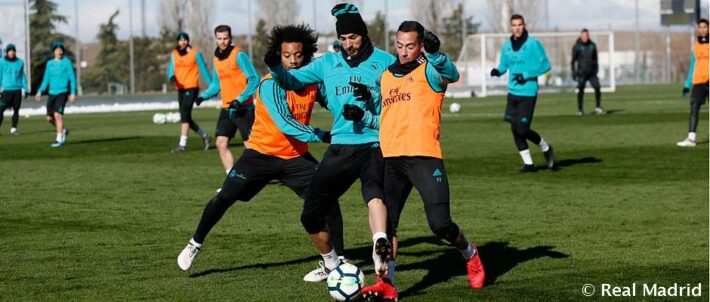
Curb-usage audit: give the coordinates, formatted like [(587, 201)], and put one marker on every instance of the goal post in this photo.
[(481, 53)]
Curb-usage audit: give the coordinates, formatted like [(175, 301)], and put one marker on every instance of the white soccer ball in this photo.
[(455, 107), (173, 117), (345, 282), (159, 118)]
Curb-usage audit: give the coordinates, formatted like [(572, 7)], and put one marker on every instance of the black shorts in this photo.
[(11, 99), (699, 94), (186, 98), (520, 109), (253, 171), (230, 120), (56, 103), (428, 175), (582, 82)]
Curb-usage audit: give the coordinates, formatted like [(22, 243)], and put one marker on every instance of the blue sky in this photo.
[(564, 14)]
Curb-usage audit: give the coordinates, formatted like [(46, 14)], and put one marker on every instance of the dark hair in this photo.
[(412, 26), (223, 28), (584, 30), (517, 17), (703, 20), (301, 33)]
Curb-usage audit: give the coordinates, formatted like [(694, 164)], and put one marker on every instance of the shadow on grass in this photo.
[(498, 258), (572, 162), (615, 111), (107, 140)]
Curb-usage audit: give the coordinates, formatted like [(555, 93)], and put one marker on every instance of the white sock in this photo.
[(543, 145), (13, 130), (228, 171), (376, 258), (390, 270), (59, 136), (202, 132), (527, 159), (183, 140), (193, 242), (691, 136), (378, 235), (330, 260)]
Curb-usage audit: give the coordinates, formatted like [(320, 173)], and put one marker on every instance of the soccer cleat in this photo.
[(381, 251), (686, 143), (580, 113), (206, 141), (476, 274), (13, 131), (66, 133), (550, 157), (187, 256), (528, 169), (382, 290), (178, 149), (317, 275), (599, 111), (56, 144)]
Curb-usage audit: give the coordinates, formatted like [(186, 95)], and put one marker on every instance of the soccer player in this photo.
[(585, 66), (60, 79), (412, 94), (13, 85), (185, 62), (697, 80), (278, 146), (235, 77), (351, 79), (337, 46), (525, 57)]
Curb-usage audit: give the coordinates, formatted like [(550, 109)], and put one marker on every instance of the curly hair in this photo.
[(301, 33)]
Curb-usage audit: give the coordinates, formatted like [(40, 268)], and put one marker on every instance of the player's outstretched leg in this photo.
[(384, 287), (693, 124)]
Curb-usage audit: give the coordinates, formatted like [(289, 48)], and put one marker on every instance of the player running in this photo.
[(13, 85), (349, 76), (698, 80), (585, 66), (60, 79), (525, 57), (235, 77), (185, 64), (277, 148), (412, 94)]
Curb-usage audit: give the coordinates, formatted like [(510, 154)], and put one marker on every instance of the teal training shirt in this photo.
[(530, 61), (59, 76), (12, 75)]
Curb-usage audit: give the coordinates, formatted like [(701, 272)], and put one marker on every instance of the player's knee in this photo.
[(222, 144), (521, 129), (312, 221), (444, 229)]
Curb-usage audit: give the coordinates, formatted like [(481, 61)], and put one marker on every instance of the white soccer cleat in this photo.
[(686, 143), (187, 256), (599, 111), (317, 275)]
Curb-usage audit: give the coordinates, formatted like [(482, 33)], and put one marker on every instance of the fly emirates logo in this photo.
[(395, 96)]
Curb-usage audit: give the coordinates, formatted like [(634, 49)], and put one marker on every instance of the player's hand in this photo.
[(519, 78), (172, 79), (353, 113), (272, 58), (574, 76), (361, 92), (431, 42), (324, 136), (26, 95), (199, 101), (686, 91), (495, 72), (38, 97), (72, 99), (234, 104)]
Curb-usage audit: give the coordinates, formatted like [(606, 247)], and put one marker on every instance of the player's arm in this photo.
[(1, 72), (213, 89), (440, 71), (72, 78), (542, 63), (321, 96), (691, 70), (502, 63), (203, 68), (170, 74), (595, 59), (252, 77), (45, 79), (297, 79), (574, 61), (273, 97)]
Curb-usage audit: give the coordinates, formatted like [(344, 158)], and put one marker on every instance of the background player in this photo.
[(185, 62), (13, 85), (585, 66), (697, 80), (59, 77), (525, 57)]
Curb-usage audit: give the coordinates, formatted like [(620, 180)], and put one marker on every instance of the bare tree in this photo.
[(431, 12), (279, 12), (499, 12)]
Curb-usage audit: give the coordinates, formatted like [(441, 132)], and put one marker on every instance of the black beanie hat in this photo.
[(349, 20), (182, 35), (10, 47)]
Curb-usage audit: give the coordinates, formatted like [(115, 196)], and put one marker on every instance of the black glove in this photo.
[(199, 100), (495, 72), (574, 76), (519, 78), (361, 92), (431, 42), (326, 137), (234, 104), (353, 113), (172, 79), (272, 58), (685, 91)]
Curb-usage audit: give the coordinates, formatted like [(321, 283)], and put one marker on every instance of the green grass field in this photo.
[(104, 217)]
